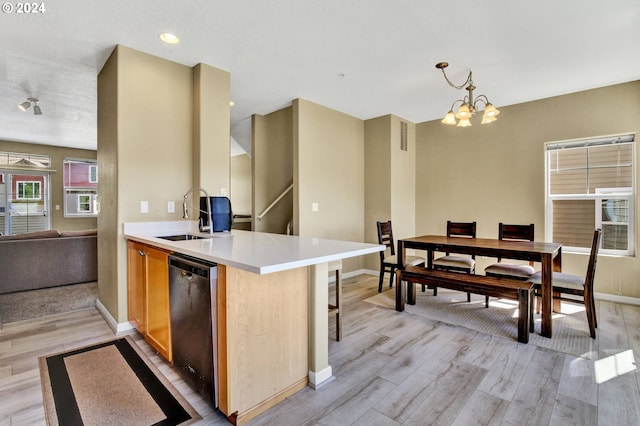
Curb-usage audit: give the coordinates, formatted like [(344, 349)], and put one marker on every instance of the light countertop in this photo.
[(257, 252)]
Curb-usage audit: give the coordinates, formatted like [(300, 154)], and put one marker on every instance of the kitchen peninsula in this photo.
[(272, 298)]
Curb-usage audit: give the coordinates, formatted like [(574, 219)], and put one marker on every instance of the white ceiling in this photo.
[(366, 58)]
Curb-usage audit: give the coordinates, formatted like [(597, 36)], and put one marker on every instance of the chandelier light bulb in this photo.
[(463, 112), (449, 119), (464, 123)]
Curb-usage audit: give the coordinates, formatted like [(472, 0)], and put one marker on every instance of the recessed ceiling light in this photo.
[(231, 103), (169, 38)]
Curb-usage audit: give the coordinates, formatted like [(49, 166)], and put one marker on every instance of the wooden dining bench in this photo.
[(478, 284)]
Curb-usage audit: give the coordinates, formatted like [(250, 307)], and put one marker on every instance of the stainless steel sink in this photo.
[(181, 237)]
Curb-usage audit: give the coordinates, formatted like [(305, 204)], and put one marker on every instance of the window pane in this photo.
[(610, 177), (568, 182), (614, 237), (574, 222)]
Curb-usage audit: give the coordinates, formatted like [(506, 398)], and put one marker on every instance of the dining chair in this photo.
[(388, 258), (457, 263), (575, 285), (507, 269)]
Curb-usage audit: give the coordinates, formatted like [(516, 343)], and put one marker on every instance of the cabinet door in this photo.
[(136, 265), (158, 319)]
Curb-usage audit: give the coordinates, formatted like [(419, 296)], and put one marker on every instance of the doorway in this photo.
[(24, 202)]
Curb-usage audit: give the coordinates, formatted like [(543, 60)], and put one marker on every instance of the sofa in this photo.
[(47, 259)]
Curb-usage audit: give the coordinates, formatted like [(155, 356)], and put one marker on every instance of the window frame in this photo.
[(74, 192), (628, 193), (20, 194)]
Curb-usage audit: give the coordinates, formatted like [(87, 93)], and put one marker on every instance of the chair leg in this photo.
[(593, 312), (486, 301), (468, 297), (391, 277), (380, 280), (588, 304)]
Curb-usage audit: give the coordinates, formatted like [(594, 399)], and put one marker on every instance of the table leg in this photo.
[(546, 295), (411, 293), (557, 267), (399, 292)]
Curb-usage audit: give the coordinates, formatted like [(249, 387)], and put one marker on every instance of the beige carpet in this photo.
[(111, 383), (570, 328), (26, 305)]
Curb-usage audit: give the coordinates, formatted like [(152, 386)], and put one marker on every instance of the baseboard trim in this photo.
[(617, 298), (317, 379), (346, 275), (111, 321)]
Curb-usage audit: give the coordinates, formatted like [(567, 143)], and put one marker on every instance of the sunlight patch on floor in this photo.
[(615, 365)]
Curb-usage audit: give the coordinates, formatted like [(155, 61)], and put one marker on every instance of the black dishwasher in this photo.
[(192, 292)]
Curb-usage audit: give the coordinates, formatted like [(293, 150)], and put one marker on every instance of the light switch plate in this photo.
[(315, 207)]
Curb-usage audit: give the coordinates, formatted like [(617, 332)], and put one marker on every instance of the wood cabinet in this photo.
[(263, 336), (148, 294)]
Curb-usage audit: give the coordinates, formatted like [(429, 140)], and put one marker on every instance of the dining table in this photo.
[(549, 255)]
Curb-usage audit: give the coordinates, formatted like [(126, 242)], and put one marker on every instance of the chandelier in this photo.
[(27, 104), (469, 105)]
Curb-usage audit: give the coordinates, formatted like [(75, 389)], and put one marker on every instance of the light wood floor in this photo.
[(391, 368)]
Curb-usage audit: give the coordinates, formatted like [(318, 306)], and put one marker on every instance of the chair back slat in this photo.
[(516, 233), (385, 236), (461, 229)]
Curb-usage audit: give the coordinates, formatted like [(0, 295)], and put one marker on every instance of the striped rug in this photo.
[(110, 383)]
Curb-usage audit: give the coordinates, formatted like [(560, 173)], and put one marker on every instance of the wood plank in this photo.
[(481, 409), (538, 389)]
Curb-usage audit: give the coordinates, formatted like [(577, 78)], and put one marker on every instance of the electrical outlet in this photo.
[(144, 207), (223, 192), (315, 207), (171, 207)]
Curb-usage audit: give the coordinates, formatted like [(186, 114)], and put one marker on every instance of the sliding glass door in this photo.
[(24, 202)]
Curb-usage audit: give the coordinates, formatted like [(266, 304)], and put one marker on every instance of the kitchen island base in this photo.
[(263, 339)]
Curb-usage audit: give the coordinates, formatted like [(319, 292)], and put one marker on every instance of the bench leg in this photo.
[(532, 303), (399, 292), (524, 299), (411, 293)]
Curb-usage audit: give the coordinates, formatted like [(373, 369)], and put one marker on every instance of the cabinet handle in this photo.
[(141, 253)]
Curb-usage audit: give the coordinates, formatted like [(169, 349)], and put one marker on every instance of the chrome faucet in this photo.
[(185, 212)]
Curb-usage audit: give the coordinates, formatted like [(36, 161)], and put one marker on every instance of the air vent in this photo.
[(403, 136)]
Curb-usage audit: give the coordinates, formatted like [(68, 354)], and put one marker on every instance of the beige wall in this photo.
[(240, 191), (272, 160), (328, 170), (389, 180), (147, 114), (58, 154), (495, 173), (211, 151)]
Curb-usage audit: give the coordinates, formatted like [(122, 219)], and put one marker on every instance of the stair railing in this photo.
[(270, 206)]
